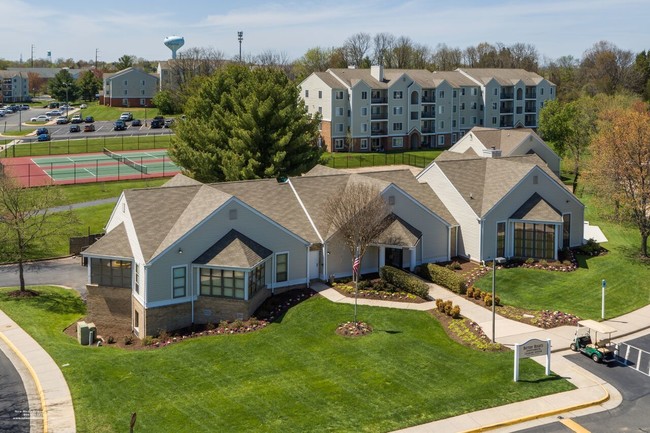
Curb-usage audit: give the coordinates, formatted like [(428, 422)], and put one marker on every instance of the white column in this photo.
[(412, 258), (382, 256)]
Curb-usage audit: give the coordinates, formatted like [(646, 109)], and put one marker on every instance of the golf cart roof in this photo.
[(597, 326)]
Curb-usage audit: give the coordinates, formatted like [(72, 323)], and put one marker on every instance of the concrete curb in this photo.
[(546, 414), (37, 382)]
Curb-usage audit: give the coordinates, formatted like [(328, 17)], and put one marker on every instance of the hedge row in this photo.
[(405, 281), (444, 277)]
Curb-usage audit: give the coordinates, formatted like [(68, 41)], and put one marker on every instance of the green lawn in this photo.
[(579, 292), (16, 133), (417, 158), (86, 145), (100, 190), (296, 375), (103, 112)]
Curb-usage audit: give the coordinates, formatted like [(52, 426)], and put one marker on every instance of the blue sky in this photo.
[(116, 27)]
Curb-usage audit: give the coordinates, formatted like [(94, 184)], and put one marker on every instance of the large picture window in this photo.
[(111, 273), (223, 282), (282, 267), (179, 282), (535, 240)]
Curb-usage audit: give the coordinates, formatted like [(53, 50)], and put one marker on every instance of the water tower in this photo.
[(174, 43)]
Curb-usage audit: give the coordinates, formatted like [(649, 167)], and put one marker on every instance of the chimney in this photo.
[(377, 72)]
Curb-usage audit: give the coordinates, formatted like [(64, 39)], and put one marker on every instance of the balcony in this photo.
[(428, 115), (531, 93), (378, 116), (530, 107), (378, 131), (506, 108), (507, 93), (429, 99)]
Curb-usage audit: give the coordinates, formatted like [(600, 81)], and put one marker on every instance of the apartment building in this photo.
[(129, 87), (14, 87), (393, 109)]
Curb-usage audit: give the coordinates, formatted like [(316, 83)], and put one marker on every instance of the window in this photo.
[(137, 278), (143, 102), (441, 109), (462, 91), (494, 105), (143, 82), (441, 140), (473, 105), (534, 240), (125, 102), (397, 110), (462, 120), (397, 126), (494, 120), (339, 111), (397, 94), (364, 111), (496, 91), (462, 105), (442, 125), (441, 94), (454, 138), (348, 113), (338, 94), (541, 90), (339, 127), (398, 142), (320, 94), (364, 95), (320, 110), (566, 230), (126, 92), (126, 83), (364, 127), (256, 280), (281, 267), (228, 283), (475, 91), (550, 91), (339, 143), (136, 320), (474, 120), (501, 239), (179, 281), (453, 123), (454, 94), (453, 109), (364, 144), (110, 273), (142, 92), (306, 93)]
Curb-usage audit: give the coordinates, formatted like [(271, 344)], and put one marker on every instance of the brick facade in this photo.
[(125, 102)]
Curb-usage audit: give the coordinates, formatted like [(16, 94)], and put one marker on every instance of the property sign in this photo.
[(532, 348)]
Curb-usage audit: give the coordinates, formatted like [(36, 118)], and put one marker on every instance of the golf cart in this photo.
[(599, 350)]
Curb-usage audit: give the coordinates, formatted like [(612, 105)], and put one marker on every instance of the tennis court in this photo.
[(91, 167)]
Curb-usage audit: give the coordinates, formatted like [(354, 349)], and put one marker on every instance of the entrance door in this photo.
[(314, 264), (394, 257)]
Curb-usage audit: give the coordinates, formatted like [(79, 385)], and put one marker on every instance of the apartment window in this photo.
[(339, 111), (364, 127), (441, 109), (136, 321), (442, 125), (475, 91), (226, 283), (474, 120), (441, 94), (501, 239), (306, 93), (137, 278), (397, 94), (494, 105), (179, 281), (398, 142), (142, 92), (541, 90), (453, 123), (364, 144), (462, 120), (281, 267), (320, 94), (126, 83), (126, 92), (473, 105), (143, 82), (364, 111), (462, 91), (143, 102), (397, 126), (550, 91), (494, 120), (441, 140), (364, 95), (454, 94), (339, 143), (338, 94), (496, 91), (453, 108), (454, 138), (397, 110), (348, 113), (566, 230), (125, 102), (462, 105), (320, 110), (339, 127)]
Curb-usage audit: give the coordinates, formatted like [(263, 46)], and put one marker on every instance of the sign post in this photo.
[(530, 349), (602, 312)]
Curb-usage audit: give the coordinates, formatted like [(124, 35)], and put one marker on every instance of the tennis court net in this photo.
[(121, 158)]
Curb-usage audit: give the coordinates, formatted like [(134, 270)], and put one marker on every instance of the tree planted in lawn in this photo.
[(245, 123), (26, 221), (359, 214)]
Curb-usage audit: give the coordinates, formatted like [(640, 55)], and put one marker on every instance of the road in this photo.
[(14, 405), (65, 272), (629, 416)]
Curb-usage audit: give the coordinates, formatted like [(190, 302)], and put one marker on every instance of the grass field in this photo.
[(100, 190), (296, 375), (417, 158)]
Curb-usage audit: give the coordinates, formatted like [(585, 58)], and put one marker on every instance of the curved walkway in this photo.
[(591, 395)]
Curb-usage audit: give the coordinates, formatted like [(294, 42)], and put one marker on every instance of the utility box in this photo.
[(92, 333), (82, 333)]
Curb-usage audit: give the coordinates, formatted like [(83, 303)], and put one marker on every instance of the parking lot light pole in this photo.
[(67, 86), (496, 260)]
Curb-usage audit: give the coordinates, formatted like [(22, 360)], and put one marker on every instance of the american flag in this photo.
[(355, 265)]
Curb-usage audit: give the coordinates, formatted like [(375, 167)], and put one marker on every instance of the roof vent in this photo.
[(282, 179)]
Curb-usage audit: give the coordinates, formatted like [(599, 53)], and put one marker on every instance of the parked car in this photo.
[(62, 120), (44, 137), (2, 112), (126, 116), (54, 105), (76, 119), (156, 123), (136, 122), (54, 113), (89, 119), (82, 106), (169, 123), (41, 118), (75, 128), (89, 127), (40, 131), (119, 125), (24, 107)]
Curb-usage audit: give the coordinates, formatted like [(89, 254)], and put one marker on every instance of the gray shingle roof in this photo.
[(234, 250), (181, 180), (537, 209), (398, 233), (114, 244), (505, 139), (505, 77)]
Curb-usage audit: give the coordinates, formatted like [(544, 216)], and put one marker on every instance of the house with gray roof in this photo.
[(199, 253)]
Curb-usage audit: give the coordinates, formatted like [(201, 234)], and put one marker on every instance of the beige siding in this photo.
[(314, 84), (356, 106)]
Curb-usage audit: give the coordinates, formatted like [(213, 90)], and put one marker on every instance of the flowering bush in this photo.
[(354, 329), (550, 319)]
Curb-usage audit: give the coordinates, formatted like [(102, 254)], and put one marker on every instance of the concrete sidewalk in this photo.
[(53, 395), (592, 393)]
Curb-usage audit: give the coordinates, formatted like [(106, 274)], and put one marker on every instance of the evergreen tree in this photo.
[(89, 86), (63, 87), (245, 124)]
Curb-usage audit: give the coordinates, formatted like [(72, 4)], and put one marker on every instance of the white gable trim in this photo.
[(304, 209), (417, 203)]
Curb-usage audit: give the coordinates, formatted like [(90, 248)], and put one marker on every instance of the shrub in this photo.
[(404, 281), (454, 266), (440, 305), (223, 324), (478, 294), (455, 312), (530, 261), (163, 335), (497, 300), (591, 248), (128, 340), (148, 340), (209, 326), (448, 307), (488, 300), (470, 292), (110, 339), (543, 263), (445, 277)]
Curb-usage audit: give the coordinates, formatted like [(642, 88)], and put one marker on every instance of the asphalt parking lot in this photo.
[(102, 129)]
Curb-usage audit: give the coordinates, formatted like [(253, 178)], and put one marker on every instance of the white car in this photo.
[(41, 118), (82, 106), (54, 113)]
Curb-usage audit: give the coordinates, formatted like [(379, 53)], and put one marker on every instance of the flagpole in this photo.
[(356, 265)]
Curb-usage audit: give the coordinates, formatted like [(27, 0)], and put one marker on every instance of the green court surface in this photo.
[(123, 165)]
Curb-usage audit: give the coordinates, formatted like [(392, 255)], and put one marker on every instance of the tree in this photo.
[(63, 87), (316, 59), (245, 123), (619, 168), (445, 58), (605, 68), (382, 46), (356, 47), (358, 214), (126, 61), (166, 102), (27, 223), (36, 83), (89, 85)]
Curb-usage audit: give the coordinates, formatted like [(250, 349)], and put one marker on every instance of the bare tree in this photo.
[(193, 62), (445, 58), (382, 46), (27, 223), (359, 214), (356, 47), (607, 68)]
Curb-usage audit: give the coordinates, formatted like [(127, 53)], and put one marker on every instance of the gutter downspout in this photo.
[(308, 275)]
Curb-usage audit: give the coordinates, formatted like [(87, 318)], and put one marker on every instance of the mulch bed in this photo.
[(476, 339), (348, 290), (354, 329), (27, 293)]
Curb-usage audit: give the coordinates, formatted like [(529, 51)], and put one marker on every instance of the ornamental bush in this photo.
[(444, 277), (404, 281)]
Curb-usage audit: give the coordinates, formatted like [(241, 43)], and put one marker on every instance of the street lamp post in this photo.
[(240, 37), (496, 260), (67, 104)]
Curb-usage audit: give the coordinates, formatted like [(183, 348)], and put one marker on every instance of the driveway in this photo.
[(64, 272), (14, 406)]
